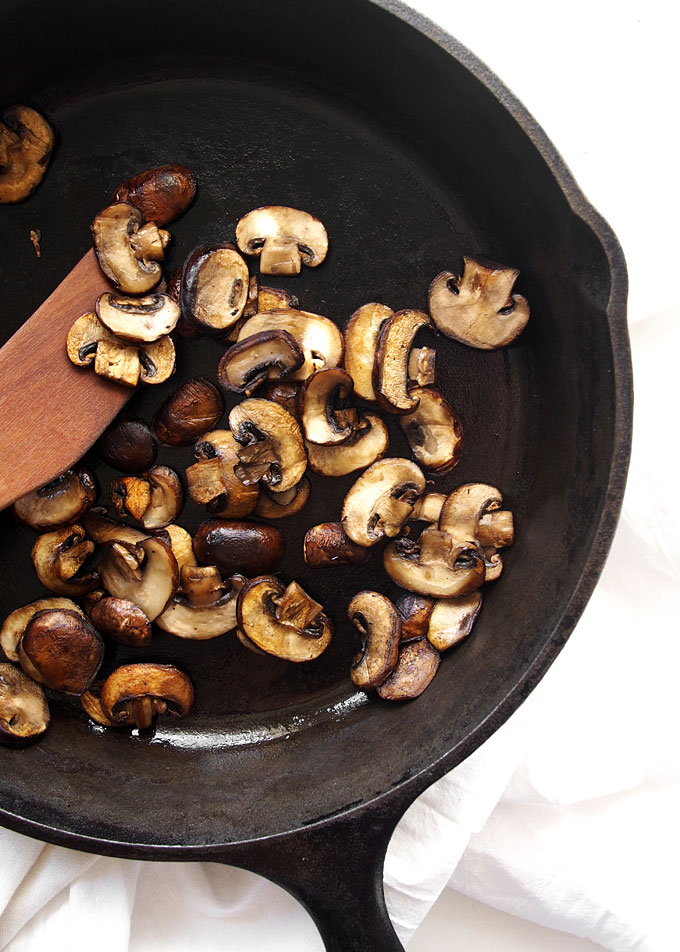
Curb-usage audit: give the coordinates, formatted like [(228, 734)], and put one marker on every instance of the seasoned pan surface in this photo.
[(411, 161)]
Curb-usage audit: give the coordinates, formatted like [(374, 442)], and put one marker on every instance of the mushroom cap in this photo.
[(185, 619), (321, 399), (417, 665), (261, 228), (267, 355), (122, 621), (377, 619), (452, 619), (369, 443), (58, 557), (138, 320), (26, 143), (128, 445), (112, 231), (162, 193), (272, 448), (361, 340), (259, 618), (236, 546), (435, 564), (391, 366), (414, 611), (479, 308), (132, 682), (319, 338), (190, 411), (433, 431), (145, 574), (328, 544), (60, 502), (24, 714), (214, 288), (381, 500), (62, 650), (14, 625)]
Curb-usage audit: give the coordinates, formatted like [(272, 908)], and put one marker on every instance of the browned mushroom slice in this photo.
[(319, 338), (452, 619), (88, 343), (473, 512), (264, 356), (381, 500), (281, 505), (417, 666), (128, 445), (378, 621), (282, 621), (135, 694), (59, 556), (162, 193), (58, 503), (361, 340), (180, 542), (434, 564), (328, 544), (24, 714), (189, 412), (285, 393), (212, 481), (433, 431), (14, 625), (428, 508), (325, 414), (207, 609), (137, 320), (102, 529), (421, 367), (284, 238), (479, 308), (26, 143), (274, 299), (250, 548), (214, 289), (122, 621), (153, 499), (145, 574), (61, 650), (92, 705), (414, 611), (128, 251), (271, 446), (390, 370), (156, 361), (368, 444)]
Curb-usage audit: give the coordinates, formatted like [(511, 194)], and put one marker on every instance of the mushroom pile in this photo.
[(305, 398)]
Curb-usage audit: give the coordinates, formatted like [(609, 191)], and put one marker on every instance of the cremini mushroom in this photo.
[(433, 431), (421, 367), (329, 544), (284, 238), (381, 500), (14, 625), (137, 320), (128, 445), (121, 620), (234, 546), (368, 444), (58, 559), (61, 650), (282, 505), (319, 338), (378, 621), (180, 542), (326, 415), (417, 665), (391, 367), (89, 343), (473, 512), (434, 564), (452, 619), (153, 499), (428, 508), (212, 481), (271, 446), (190, 411), (479, 308), (26, 143), (414, 611), (101, 528), (214, 288), (283, 620), (285, 393), (24, 714), (361, 340), (60, 502), (206, 606), (267, 355), (145, 574), (134, 695), (129, 251), (162, 193)]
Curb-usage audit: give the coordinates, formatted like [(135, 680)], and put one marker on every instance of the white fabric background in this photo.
[(568, 814)]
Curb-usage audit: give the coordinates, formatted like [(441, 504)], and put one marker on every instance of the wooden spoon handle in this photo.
[(51, 412)]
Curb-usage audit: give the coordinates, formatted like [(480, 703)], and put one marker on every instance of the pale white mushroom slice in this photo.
[(434, 564), (214, 288), (391, 367), (145, 574), (473, 512), (58, 558), (138, 320), (206, 607), (325, 410), (433, 431), (284, 238), (268, 355), (319, 338), (452, 620), (376, 618), (24, 714), (369, 443), (381, 500), (60, 502), (154, 499), (361, 340)]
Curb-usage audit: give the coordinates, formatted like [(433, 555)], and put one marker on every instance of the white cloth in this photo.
[(566, 815)]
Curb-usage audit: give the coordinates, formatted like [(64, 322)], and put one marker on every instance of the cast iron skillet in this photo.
[(413, 154)]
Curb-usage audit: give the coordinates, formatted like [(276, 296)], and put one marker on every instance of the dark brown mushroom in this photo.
[(192, 410), (59, 503), (58, 559), (122, 621), (248, 548), (134, 695), (433, 431), (414, 611), (26, 143), (326, 415), (369, 443), (24, 714), (378, 621), (283, 621), (285, 393), (153, 499), (129, 251), (212, 481), (268, 355), (61, 650), (128, 445), (417, 665), (137, 320), (284, 238), (390, 370), (381, 500), (14, 625), (162, 193), (271, 450), (214, 290), (452, 619), (361, 340), (328, 544)]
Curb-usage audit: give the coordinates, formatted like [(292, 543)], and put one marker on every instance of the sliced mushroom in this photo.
[(283, 621), (14, 625), (137, 320), (192, 410), (281, 505), (26, 143), (271, 446), (102, 529), (284, 238), (89, 343), (156, 361), (428, 508), (473, 512), (368, 444), (326, 416), (152, 499), (390, 370), (58, 558), (162, 193), (122, 621), (435, 564), (433, 431), (61, 650), (128, 445), (274, 299), (328, 544), (60, 502), (421, 367), (479, 308), (414, 611), (268, 355), (135, 694), (212, 481), (452, 619), (180, 542), (24, 714), (145, 574), (417, 665), (361, 340), (207, 609), (249, 548), (285, 393), (378, 621), (319, 338), (92, 705), (381, 500), (128, 251), (214, 289)]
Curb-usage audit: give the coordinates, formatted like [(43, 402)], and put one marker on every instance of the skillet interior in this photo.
[(411, 162)]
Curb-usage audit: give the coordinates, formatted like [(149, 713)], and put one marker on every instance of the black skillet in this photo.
[(412, 154)]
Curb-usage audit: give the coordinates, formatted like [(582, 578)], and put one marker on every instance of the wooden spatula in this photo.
[(51, 412)]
